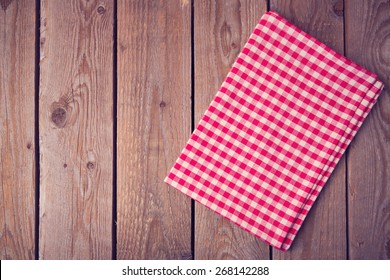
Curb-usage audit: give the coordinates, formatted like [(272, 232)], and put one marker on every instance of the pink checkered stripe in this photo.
[(275, 131)]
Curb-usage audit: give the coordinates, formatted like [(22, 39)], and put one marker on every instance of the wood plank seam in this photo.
[(192, 119), (115, 129), (36, 123)]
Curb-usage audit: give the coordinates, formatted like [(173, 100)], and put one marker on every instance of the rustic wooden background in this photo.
[(98, 97)]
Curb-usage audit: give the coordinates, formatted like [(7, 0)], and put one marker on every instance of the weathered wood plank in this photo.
[(17, 146), (76, 129), (368, 43), (323, 234), (154, 123), (221, 28)]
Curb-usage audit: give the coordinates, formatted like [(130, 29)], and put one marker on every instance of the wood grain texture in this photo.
[(17, 156), (368, 43), (154, 123), (76, 129), (323, 234), (221, 28)]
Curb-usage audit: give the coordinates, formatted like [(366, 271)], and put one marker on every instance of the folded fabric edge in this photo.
[(198, 199), (373, 93), (343, 58)]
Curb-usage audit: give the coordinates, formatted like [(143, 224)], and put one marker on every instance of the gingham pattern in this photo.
[(275, 131)]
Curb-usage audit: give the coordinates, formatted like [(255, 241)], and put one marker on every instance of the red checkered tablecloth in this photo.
[(275, 131)]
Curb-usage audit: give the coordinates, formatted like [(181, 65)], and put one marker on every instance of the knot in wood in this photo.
[(101, 10), (162, 104), (384, 46), (90, 165), (338, 8), (387, 247), (58, 117), (29, 145), (226, 38), (4, 4), (186, 256)]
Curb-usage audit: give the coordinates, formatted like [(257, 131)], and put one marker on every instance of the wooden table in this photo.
[(97, 99)]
